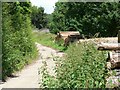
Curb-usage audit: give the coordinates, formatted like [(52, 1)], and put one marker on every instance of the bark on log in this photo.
[(109, 46)]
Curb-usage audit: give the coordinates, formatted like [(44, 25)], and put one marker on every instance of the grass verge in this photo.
[(47, 39)]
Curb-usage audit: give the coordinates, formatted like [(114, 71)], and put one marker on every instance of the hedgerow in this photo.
[(18, 45), (82, 67)]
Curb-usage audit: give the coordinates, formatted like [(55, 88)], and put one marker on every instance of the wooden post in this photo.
[(0, 42), (118, 36)]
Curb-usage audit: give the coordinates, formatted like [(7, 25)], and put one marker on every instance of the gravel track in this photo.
[(29, 77)]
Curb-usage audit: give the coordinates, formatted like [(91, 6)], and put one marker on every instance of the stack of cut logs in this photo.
[(113, 62), (113, 55)]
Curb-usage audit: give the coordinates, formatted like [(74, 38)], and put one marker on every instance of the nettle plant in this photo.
[(82, 67)]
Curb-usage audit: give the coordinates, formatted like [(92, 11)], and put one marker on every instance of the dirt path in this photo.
[(29, 77)]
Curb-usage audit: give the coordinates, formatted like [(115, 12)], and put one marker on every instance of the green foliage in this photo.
[(82, 67), (38, 17), (49, 19), (47, 39), (18, 45), (87, 18), (58, 23), (47, 80)]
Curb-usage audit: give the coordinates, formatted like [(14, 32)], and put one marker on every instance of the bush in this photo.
[(18, 45), (82, 67)]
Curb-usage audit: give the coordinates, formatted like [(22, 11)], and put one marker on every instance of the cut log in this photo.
[(67, 37), (113, 55), (115, 62), (109, 46), (113, 65), (114, 59)]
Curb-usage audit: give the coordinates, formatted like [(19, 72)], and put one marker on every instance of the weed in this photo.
[(82, 67)]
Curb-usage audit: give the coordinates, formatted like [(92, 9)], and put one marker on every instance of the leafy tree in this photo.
[(38, 17), (58, 16), (87, 18)]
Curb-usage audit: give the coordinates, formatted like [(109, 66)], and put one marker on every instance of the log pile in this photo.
[(67, 37), (109, 46), (113, 55), (113, 62), (114, 59)]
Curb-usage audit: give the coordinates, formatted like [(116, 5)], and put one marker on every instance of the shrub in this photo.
[(18, 45), (82, 67)]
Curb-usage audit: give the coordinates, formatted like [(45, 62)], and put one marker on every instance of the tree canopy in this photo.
[(38, 17), (88, 18)]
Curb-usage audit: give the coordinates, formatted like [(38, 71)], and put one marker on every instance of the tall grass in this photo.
[(47, 39)]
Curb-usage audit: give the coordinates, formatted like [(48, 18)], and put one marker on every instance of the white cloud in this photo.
[(47, 4)]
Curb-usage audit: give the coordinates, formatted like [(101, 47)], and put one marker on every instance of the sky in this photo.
[(47, 4)]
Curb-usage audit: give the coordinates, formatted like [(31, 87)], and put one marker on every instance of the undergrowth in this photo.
[(82, 67)]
